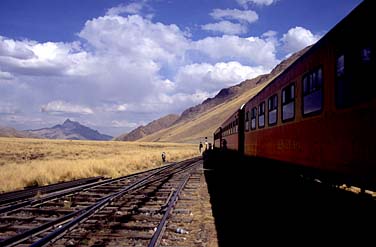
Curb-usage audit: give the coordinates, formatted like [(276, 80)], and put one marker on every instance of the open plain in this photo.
[(30, 162)]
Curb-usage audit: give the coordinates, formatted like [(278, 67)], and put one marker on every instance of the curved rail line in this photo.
[(10, 197), (69, 221), (158, 233), (66, 191)]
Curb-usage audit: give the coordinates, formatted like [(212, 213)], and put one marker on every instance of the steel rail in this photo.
[(158, 233), (65, 192), (99, 205), (13, 196), (82, 214)]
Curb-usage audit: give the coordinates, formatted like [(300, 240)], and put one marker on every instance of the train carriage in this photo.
[(232, 134), (320, 112), (218, 138)]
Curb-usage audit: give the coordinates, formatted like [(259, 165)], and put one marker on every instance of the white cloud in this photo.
[(8, 109), (225, 27), (15, 49), (297, 38), (245, 3), (32, 58), (125, 68), (210, 78), (62, 107), (136, 38), (184, 100), (115, 108), (5, 76), (235, 14), (253, 51), (132, 8), (123, 124)]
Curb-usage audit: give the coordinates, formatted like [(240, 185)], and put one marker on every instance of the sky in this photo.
[(114, 64)]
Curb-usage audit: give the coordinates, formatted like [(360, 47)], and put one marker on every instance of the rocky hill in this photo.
[(202, 120), (12, 132), (70, 130), (150, 128)]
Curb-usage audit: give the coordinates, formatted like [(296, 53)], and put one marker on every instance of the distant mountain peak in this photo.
[(71, 130), (67, 121)]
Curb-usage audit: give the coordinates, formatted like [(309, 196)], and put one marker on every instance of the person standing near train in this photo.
[(200, 147), (163, 157)]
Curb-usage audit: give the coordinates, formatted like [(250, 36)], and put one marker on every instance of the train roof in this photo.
[(366, 4), (233, 114)]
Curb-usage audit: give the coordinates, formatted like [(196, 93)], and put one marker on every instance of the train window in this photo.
[(253, 118), (312, 92), (272, 109), (288, 102), (363, 89), (246, 121), (343, 87), (261, 115), (366, 55), (340, 65)]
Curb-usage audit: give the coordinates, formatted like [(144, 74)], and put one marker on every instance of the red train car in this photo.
[(320, 113), (231, 136), (218, 138)]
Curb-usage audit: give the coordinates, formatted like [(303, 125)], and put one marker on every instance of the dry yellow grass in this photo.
[(25, 162)]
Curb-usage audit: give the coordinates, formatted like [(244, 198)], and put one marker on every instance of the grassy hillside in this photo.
[(204, 124), (202, 120)]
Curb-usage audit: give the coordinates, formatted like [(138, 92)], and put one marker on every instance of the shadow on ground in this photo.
[(257, 203)]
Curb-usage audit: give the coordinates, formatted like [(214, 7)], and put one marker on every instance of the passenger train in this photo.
[(320, 113)]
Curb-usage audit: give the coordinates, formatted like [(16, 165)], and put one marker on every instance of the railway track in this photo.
[(16, 196), (131, 210)]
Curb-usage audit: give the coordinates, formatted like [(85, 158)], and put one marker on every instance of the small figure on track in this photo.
[(163, 157)]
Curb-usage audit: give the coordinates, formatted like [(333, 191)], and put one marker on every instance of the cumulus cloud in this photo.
[(15, 49), (115, 108), (235, 14), (62, 107), (123, 124), (32, 58), (183, 100), (225, 27), (135, 37), (132, 8), (253, 51), (245, 3), (5, 75), (141, 69), (297, 38), (211, 78)]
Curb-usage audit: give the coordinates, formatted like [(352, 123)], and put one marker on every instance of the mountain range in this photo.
[(70, 130), (150, 128), (192, 126), (12, 132), (200, 121)]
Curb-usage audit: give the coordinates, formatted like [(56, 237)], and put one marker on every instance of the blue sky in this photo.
[(114, 65)]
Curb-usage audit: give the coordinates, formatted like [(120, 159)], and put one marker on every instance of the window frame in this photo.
[(255, 117), (306, 75), (247, 120), (273, 99), (288, 87), (259, 114)]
